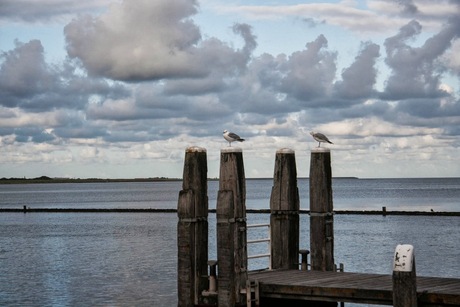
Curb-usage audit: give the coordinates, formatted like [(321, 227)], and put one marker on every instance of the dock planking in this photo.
[(364, 288)]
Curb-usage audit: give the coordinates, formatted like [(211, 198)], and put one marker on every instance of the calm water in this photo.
[(440, 194), (129, 259)]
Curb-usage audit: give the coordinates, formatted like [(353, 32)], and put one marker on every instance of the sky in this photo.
[(120, 89)]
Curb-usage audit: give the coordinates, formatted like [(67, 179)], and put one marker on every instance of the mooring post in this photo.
[(231, 229), (192, 230), (404, 277), (321, 211), (284, 212)]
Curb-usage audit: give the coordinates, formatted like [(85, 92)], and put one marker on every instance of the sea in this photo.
[(130, 259)]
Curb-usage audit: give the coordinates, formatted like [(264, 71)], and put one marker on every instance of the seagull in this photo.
[(319, 137), (231, 137)]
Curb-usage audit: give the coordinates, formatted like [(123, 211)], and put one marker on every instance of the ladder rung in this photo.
[(258, 256), (259, 240)]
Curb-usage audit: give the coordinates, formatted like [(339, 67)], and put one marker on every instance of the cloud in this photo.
[(28, 82), (46, 10), (143, 81), (431, 14), (152, 40), (310, 72), (359, 78), (414, 69), (23, 72), (137, 40)]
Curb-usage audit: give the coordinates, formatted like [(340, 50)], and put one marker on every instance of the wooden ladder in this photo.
[(252, 287)]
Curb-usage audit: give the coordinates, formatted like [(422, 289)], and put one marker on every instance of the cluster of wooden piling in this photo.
[(228, 283), (194, 286)]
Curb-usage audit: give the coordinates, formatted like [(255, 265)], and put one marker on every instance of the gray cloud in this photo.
[(142, 72), (23, 73), (152, 41), (138, 40), (359, 79), (35, 11), (415, 70), (429, 108), (28, 82), (408, 6), (310, 72)]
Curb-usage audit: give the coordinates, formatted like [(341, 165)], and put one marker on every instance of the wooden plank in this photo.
[(352, 287)]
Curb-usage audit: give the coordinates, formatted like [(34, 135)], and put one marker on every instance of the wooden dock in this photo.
[(285, 285), (363, 288)]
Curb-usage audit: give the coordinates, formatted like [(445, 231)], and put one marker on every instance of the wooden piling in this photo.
[(231, 229), (284, 212), (192, 230), (404, 277), (321, 211)]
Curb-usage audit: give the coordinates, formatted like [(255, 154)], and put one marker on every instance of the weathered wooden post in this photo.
[(192, 229), (321, 211), (231, 228), (284, 212), (404, 277)]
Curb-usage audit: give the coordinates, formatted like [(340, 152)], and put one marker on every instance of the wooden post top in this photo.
[(320, 150), (231, 149), (285, 151), (195, 149)]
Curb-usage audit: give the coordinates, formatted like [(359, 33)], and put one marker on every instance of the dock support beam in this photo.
[(231, 229), (192, 230), (284, 212), (321, 211)]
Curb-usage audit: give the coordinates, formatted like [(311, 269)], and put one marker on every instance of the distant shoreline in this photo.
[(45, 179), (262, 211)]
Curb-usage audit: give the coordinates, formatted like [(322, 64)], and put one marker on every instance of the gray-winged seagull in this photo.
[(231, 137), (319, 137)]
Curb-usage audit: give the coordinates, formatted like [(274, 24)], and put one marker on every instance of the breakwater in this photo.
[(260, 211)]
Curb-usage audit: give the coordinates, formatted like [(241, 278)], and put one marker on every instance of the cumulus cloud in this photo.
[(414, 69), (359, 79), (151, 40), (28, 82), (310, 72), (143, 81)]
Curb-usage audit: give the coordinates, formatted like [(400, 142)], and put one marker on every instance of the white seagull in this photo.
[(319, 137), (231, 137)]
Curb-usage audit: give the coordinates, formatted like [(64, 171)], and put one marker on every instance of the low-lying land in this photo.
[(46, 179)]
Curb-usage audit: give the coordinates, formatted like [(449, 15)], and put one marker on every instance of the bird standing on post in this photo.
[(231, 137), (319, 137)]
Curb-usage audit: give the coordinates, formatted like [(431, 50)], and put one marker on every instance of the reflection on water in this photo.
[(87, 259), (129, 259), (439, 194)]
